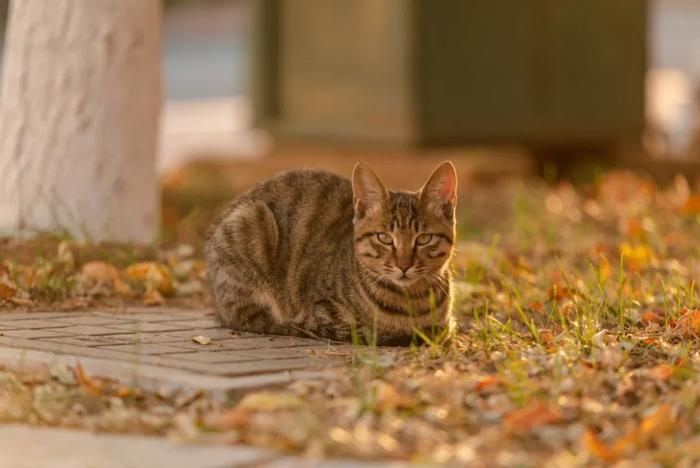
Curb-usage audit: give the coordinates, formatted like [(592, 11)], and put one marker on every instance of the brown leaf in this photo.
[(537, 414), (7, 291), (152, 298)]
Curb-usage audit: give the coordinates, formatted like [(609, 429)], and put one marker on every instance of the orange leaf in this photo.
[(594, 445), (155, 275), (636, 257), (86, 382), (526, 419), (488, 381), (559, 292), (691, 205), (658, 423), (7, 291), (122, 288), (689, 323), (100, 271), (633, 227), (235, 418), (661, 372), (652, 316)]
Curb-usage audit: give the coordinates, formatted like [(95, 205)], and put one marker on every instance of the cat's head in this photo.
[(404, 236)]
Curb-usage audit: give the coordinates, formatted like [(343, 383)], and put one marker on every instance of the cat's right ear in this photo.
[(368, 191)]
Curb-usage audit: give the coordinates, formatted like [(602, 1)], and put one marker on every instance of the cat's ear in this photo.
[(440, 191), (368, 191)]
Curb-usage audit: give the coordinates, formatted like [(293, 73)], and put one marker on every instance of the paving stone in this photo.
[(281, 353), (163, 341), (33, 447), (198, 323), (213, 333), (269, 365), (89, 330), (147, 327), (209, 357), (32, 315), (87, 340), (163, 315), (37, 323), (45, 333), (255, 343), (144, 348), (93, 320), (155, 337)]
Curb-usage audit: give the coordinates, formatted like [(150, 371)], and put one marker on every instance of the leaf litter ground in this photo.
[(579, 317)]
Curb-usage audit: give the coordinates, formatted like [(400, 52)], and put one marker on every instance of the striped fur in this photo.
[(309, 253)]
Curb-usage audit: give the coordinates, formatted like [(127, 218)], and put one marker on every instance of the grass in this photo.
[(577, 343)]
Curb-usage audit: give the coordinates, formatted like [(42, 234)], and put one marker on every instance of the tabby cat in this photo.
[(309, 253)]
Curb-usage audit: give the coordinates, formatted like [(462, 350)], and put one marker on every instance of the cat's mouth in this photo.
[(404, 280)]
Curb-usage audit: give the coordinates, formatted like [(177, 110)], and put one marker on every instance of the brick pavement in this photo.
[(156, 346)]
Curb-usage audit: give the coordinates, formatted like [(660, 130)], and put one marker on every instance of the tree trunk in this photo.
[(81, 96)]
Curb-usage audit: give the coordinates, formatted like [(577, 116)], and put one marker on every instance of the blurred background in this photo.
[(642, 60), (256, 86), (637, 62)]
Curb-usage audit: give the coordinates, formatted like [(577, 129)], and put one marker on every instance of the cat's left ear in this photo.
[(368, 191), (440, 191)]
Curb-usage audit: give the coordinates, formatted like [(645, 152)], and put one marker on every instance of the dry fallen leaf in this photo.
[(203, 340), (7, 291), (91, 385), (235, 418), (154, 275), (655, 425), (537, 414), (691, 205), (661, 372), (269, 401), (388, 397), (652, 316), (636, 257), (100, 271), (122, 288), (689, 323), (488, 381), (152, 298)]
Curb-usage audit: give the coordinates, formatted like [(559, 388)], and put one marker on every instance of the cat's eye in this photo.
[(385, 238), (423, 239)]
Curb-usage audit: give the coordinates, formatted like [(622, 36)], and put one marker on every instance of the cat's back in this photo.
[(300, 196)]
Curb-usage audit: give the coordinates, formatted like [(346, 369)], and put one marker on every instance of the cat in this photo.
[(310, 253)]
